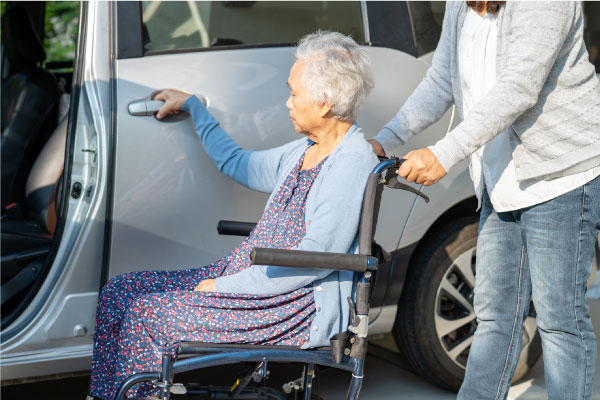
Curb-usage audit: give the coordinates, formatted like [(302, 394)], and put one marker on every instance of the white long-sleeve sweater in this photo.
[(492, 165), (546, 90)]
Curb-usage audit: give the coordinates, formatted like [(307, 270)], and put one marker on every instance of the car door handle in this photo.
[(146, 107)]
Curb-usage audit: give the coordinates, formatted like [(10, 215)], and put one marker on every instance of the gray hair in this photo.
[(338, 71)]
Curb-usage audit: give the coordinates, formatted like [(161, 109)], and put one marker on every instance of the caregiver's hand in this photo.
[(173, 99), (421, 166), (207, 285)]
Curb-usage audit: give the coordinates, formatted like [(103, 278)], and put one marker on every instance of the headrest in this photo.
[(21, 43)]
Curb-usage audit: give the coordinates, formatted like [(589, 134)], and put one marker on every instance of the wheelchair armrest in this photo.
[(313, 259), (235, 228)]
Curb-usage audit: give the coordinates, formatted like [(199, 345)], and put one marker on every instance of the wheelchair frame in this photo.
[(348, 349)]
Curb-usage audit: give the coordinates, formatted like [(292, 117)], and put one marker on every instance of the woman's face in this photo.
[(305, 116)]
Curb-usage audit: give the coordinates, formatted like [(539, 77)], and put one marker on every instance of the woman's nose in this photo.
[(288, 103)]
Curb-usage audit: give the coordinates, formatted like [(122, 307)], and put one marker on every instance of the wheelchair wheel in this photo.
[(439, 291)]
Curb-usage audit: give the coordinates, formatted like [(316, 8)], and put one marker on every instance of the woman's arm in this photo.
[(431, 98), (332, 228), (258, 170)]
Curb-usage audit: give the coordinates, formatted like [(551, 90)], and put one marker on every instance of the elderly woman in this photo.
[(316, 183)]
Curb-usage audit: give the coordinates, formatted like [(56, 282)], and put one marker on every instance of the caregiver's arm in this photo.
[(429, 101), (538, 34), (333, 228), (257, 170)]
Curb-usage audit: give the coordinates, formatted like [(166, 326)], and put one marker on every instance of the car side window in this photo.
[(60, 31), (427, 18), (591, 33), (172, 26), (413, 27)]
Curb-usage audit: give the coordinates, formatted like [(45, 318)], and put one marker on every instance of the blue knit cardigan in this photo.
[(332, 215)]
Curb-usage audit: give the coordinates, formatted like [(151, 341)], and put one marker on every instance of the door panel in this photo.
[(169, 196)]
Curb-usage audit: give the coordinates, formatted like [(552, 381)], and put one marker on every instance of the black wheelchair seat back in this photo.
[(347, 350)]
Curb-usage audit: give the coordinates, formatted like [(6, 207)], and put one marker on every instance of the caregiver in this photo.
[(529, 101)]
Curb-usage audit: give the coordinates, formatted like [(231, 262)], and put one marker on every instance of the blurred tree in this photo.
[(2, 8), (60, 30)]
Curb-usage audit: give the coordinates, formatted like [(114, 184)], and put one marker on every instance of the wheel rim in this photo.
[(454, 316)]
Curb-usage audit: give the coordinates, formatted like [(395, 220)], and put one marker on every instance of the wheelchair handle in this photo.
[(235, 228), (387, 163), (313, 259), (391, 166)]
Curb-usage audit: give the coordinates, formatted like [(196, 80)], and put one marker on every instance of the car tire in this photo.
[(426, 329)]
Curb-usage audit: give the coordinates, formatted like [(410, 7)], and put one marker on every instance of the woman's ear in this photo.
[(325, 109)]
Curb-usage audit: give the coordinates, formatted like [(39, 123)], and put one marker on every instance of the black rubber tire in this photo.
[(414, 329)]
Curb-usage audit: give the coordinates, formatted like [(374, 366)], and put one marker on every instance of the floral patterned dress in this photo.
[(142, 315)]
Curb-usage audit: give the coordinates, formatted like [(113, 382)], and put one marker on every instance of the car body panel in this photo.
[(161, 168), (166, 197)]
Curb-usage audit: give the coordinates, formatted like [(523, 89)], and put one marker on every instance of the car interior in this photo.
[(35, 101)]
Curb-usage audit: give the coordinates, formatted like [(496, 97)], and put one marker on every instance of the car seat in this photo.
[(28, 97), (25, 243)]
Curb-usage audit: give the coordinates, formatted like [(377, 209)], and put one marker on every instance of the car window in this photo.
[(427, 18), (411, 27), (179, 25), (591, 33), (56, 23), (60, 34), (3, 67)]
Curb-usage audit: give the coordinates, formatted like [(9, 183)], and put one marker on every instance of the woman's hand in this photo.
[(173, 99), (377, 147), (207, 285), (421, 166)]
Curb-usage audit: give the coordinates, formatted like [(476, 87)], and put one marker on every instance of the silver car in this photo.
[(108, 188)]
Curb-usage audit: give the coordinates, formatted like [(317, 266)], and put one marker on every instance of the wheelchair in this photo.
[(347, 350)]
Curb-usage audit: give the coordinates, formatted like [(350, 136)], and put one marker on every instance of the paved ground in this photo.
[(533, 386), (386, 377)]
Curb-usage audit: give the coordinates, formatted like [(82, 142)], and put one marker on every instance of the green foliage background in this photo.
[(60, 29), (60, 26)]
